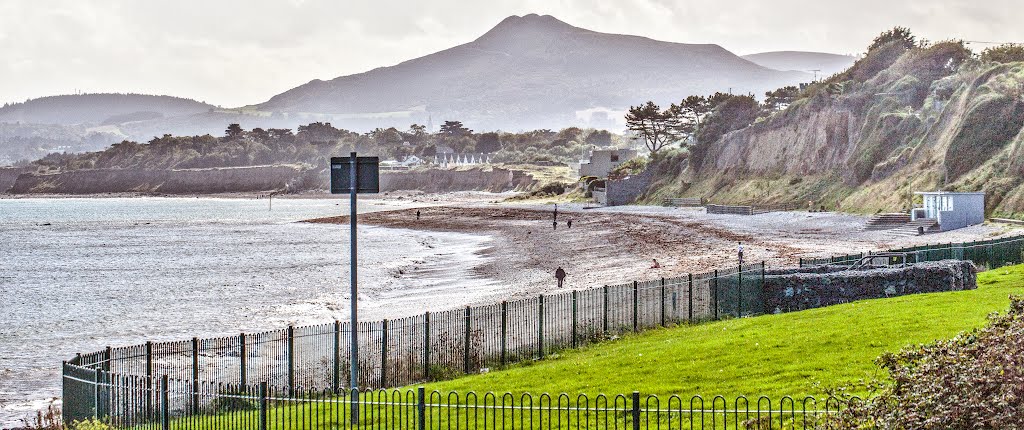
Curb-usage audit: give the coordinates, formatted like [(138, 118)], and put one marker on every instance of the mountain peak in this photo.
[(516, 25)]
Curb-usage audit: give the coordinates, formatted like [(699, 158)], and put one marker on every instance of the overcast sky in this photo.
[(238, 52)]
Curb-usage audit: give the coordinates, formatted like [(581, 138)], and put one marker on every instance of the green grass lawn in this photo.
[(793, 354)]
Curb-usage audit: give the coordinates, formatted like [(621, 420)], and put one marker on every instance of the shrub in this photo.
[(973, 381)]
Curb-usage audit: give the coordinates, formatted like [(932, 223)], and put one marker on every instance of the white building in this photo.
[(602, 161), (951, 210)]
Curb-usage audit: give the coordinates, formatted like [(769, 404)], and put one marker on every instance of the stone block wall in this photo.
[(624, 191), (784, 292)]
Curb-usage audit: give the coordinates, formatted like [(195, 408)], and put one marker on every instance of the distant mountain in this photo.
[(528, 72), (99, 109), (828, 64)]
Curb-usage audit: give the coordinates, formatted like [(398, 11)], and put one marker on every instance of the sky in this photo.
[(238, 52)]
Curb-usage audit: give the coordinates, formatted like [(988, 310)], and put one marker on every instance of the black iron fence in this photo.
[(985, 254), (432, 346), (165, 403)]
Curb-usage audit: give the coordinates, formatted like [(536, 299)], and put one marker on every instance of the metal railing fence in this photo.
[(427, 347), (986, 254), (128, 401)]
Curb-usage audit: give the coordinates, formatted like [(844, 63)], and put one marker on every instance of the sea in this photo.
[(80, 274)]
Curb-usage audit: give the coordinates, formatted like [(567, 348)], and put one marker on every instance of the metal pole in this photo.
[(739, 291), (466, 339), (574, 319), (291, 361), (636, 301), (384, 354), (242, 358), (504, 331), (165, 414), (353, 299), (689, 296), (663, 302), (337, 357), (540, 328)]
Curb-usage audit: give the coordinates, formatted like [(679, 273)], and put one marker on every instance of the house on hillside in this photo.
[(603, 161), (950, 210)]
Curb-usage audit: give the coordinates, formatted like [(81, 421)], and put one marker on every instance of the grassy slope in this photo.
[(771, 355)]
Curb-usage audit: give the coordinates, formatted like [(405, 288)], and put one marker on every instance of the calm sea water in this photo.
[(77, 275)]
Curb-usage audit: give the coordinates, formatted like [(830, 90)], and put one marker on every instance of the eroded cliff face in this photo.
[(872, 146), (253, 179), (447, 180), (181, 181)]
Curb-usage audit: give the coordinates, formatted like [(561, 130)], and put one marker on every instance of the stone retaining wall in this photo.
[(795, 291)]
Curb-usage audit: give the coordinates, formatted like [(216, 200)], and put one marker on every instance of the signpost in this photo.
[(354, 175)]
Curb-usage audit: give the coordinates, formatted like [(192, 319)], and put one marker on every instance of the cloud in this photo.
[(238, 52)]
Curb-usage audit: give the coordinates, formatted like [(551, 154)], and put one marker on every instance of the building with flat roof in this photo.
[(603, 161), (950, 210)]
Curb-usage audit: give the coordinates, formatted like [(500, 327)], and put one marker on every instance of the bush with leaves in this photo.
[(973, 381)]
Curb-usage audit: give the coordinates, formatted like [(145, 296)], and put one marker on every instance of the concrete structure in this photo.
[(602, 161), (951, 210), (623, 191)]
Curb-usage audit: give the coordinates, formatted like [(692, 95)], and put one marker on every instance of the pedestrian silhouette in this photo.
[(417, 214), (560, 276), (655, 265), (568, 223), (739, 252), (554, 225)]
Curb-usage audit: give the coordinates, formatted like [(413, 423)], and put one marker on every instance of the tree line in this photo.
[(315, 143)]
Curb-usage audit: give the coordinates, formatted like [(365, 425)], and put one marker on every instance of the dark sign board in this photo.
[(367, 171)]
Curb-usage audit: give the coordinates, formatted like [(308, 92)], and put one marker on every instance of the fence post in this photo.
[(384, 354), (714, 294), (604, 328), (421, 408), (663, 302), (263, 405), (96, 393), (574, 319), (337, 356), (504, 330), (242, 360), (761, 289), (540, 328), (636, 302), (636, 410), (465, 355), (195, 375), (689, 296), (739, 291), (149, 380), (107, 362), (801, 264), (165, 415), (426, 345), (291, 360)]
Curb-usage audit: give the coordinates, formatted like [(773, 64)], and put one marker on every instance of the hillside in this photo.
[(826, 64), (99, 109), (900, 120), (557, 70)]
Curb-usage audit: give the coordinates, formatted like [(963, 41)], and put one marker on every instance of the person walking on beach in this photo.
[(554, 225), (739, 252), (655, 265), (568, 223), (417, 214), (560, 276)]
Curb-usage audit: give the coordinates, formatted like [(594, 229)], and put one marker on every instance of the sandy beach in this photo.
[(619, 244)]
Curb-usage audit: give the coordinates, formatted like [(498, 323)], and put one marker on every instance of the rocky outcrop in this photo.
[(10, 174), (179, 181)]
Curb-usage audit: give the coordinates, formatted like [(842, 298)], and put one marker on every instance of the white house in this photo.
[(951, 210), (602, 161)]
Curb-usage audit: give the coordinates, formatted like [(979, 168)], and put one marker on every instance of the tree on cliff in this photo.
[(780, 98), (658, 128), (691, 112), (900, 35), (1006, 53)]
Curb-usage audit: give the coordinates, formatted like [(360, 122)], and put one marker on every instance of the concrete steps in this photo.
[(928, 225), (887, 221)]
